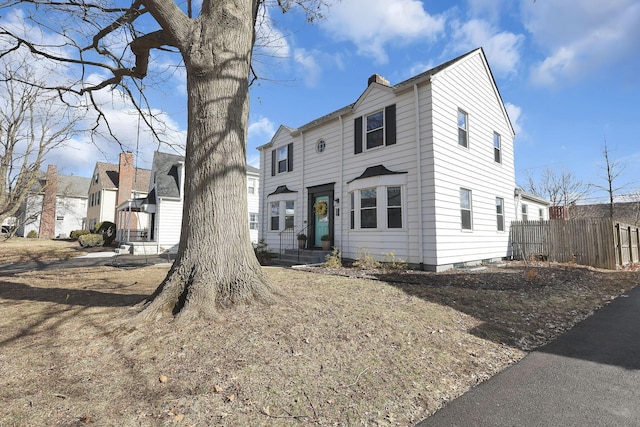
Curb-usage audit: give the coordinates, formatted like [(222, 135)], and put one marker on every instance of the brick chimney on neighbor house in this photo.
[(48, 215), (126, 173), (377, 78)]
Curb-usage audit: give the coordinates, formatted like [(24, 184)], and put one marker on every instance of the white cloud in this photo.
[(502, 47), (310, 69), (515, 114), (581, 37), (262, 128), (373, 24)]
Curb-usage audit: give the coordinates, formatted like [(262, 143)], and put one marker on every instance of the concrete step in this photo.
[(123, 249), (306, 256)]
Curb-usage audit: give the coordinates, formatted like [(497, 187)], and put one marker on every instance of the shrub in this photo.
[(366, 261), (392, 263), (75, 234), (91, 240), (325, 238), (262, 253), (33, 234), (108, 231), (302, 236), (334, 259), (96, 227)]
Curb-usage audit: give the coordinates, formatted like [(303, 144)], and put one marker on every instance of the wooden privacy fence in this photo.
[(598, 242)]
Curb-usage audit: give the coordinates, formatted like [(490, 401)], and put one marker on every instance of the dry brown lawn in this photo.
[(338, 349), (25, 250)]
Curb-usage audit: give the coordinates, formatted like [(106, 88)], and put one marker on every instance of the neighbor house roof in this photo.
[(625, 212), (109, 176), (68, 185), (166, 170)]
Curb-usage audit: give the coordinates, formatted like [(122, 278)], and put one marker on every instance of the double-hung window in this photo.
[(375, 130), (289, 211), (394, 207), (275, 215), (253, 221), (497, 148), (500, 213), (463, 129), (368, 208), (466, 212), (282, 159), (525, 212), (281, 215), (251, 188)]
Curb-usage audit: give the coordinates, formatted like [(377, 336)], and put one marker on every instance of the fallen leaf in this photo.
[(163, 379), (266, 411), (231, 397), (178, 418), (217, 389)]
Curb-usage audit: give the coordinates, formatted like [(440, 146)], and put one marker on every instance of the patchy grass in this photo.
[(20, 249), (337, 350)]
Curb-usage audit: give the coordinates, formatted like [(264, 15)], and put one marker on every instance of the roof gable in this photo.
[(165, 166)]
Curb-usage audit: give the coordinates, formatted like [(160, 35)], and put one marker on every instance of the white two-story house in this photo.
[(423, 169)]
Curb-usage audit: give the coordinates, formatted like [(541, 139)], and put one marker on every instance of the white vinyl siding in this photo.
[(465, 86)]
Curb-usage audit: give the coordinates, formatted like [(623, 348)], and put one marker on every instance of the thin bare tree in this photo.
[(612, 170), (33, 122), (215, 265), (560, 187)]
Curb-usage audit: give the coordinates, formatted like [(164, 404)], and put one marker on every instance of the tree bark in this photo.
[(215, 265)]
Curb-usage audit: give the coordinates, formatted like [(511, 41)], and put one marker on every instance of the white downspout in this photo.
[(419, 177), (341, 181), (303, 210)]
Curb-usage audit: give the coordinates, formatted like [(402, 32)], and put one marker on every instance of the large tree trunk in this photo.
[(215, 265)]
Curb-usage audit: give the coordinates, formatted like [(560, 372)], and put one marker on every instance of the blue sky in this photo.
[(568, 72)]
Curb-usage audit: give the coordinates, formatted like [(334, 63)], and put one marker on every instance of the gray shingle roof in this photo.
[(167, 179), (68, 185)]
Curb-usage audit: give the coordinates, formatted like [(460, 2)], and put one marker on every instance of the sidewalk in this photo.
[(90, 260), (590, 376)]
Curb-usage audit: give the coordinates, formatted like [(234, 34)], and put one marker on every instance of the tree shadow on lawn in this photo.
[(531, 312), (72, 297)]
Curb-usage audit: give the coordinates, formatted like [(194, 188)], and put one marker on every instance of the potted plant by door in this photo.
[(302, 240), (326, 242)]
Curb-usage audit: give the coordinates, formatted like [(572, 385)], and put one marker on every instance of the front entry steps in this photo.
[(303, 256)]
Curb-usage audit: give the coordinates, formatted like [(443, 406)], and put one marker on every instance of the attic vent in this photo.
[(377, 78)]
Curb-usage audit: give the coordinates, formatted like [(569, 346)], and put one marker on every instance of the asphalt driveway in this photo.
[(590, 376)]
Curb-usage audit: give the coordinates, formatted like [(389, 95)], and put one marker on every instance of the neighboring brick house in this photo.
[(115, 184), (55, 206), (423, 170)]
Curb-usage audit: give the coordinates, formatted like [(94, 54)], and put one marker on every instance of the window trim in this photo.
[(463, 209), (380, 183), (380, 129), (500, 214), (497, 148), (253, 220), (465, 129)]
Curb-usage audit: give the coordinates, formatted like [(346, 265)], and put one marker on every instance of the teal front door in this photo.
[(321, 216)]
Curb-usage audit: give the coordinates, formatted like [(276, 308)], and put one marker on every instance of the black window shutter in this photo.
[(290, 157), (357, 135), (390, 124), (273, 163)]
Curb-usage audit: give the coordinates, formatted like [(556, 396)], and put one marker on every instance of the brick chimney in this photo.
[(377, 78), (126, 171), (48, 215)]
